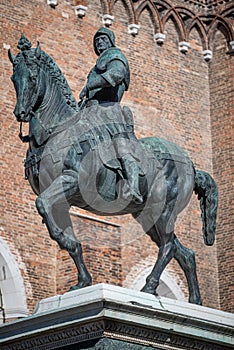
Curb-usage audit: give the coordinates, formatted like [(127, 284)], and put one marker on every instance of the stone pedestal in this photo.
[(109, 317)]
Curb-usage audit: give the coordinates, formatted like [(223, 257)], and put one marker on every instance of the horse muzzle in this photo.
[(22, 116)]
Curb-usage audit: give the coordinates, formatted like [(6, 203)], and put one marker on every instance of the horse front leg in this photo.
[(165, 254), (52, 204), (162, 233)]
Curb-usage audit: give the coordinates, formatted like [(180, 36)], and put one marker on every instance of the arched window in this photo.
[(12, 291), (167, 285)]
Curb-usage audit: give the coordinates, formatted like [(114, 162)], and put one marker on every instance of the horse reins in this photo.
[(23, 138)]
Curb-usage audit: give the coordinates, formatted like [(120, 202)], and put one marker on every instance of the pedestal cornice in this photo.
[(114, 315)]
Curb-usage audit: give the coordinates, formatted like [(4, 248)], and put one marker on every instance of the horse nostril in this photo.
[(19, 114)]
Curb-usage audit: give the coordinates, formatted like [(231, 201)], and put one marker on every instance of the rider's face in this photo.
[(102, 43)]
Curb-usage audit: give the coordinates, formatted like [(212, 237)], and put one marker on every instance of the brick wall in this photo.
[(222, 121), (101, 249), (170, 97)]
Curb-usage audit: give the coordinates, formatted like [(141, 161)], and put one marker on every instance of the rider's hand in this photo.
[(83, 93)]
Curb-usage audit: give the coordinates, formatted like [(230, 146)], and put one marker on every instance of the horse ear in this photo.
[(11, 56), (38, 51)]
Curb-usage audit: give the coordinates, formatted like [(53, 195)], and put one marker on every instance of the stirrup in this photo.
[(137, 197)]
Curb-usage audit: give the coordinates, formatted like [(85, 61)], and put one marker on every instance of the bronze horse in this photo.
[(64, 167)]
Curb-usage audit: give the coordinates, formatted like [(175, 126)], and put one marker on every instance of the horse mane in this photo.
[(55, 72)]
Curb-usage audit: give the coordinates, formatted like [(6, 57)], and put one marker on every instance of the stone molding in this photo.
[(118, 314), (110, 330)]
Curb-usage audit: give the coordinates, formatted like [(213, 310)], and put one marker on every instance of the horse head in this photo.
[(39, 82), (26, 69)]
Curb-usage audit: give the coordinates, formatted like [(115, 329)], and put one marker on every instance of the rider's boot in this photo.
[(131, 171)]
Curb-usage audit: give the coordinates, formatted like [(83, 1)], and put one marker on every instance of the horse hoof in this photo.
[(197, 301), (80, 285), (149, 290), (73, 288)]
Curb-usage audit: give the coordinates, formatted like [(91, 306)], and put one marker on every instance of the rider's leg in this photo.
[(123, 147), (131, 172)]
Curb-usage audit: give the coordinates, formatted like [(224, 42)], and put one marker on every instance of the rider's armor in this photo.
[(113, 67)]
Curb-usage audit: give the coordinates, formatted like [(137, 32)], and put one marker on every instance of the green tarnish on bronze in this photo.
[(87, 155), (106, 84)]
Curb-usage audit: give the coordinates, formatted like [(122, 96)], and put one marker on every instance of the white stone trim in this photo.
[(11, 284), (159, 38), (52, 3), (231, 47), (107, 20), (6, 46), (207, 54), (231, 43), (184, 46), (80, 10), (133, 29)]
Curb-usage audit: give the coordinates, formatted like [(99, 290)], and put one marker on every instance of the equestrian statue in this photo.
[(86, 155)]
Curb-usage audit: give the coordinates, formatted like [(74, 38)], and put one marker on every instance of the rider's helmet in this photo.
[(107, 32)]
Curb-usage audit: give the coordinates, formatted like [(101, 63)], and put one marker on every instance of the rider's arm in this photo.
[(114, 75)]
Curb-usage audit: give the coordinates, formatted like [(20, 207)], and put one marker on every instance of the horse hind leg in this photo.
[(186, 259), (53, 206)]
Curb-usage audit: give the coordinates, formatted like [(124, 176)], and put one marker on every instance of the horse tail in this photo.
[(207, 192)]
